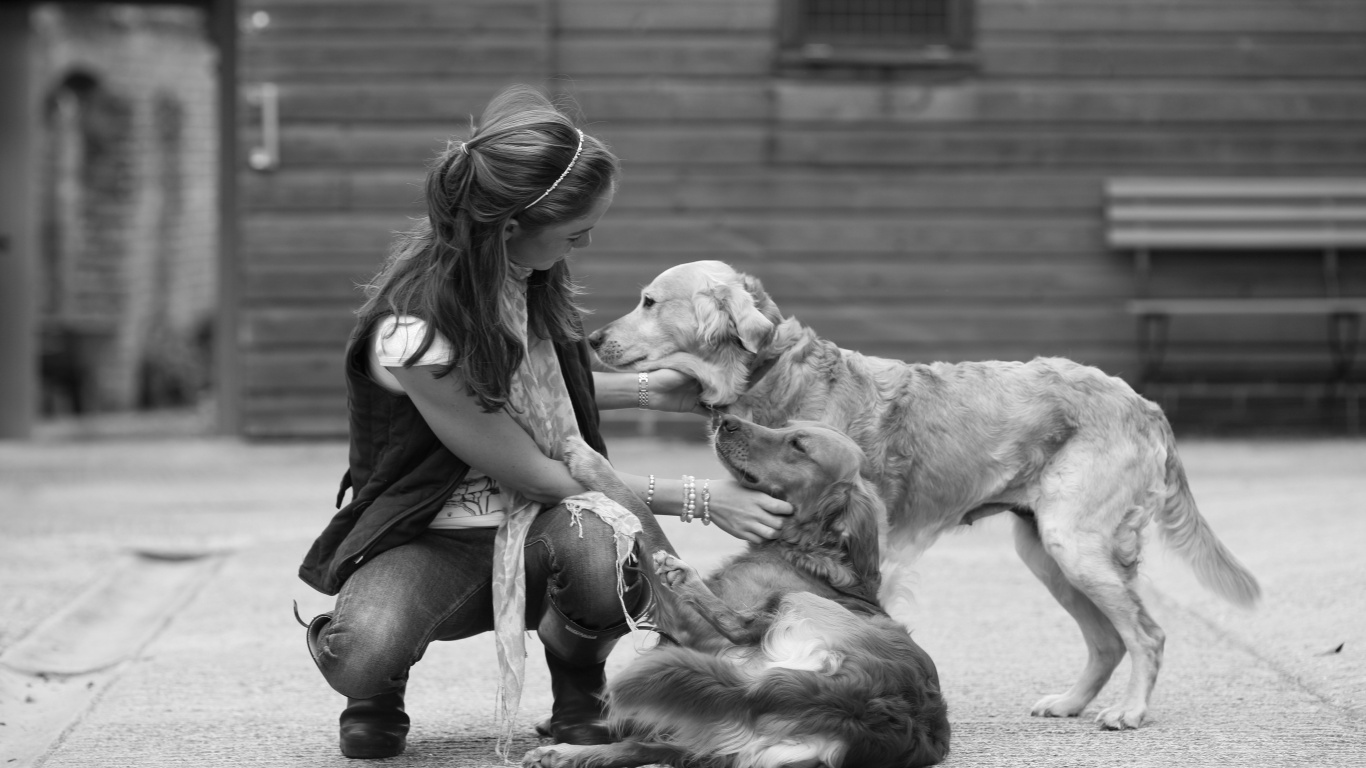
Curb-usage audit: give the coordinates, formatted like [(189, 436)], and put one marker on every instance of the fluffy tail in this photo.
[(715, 711), (1185, 530)]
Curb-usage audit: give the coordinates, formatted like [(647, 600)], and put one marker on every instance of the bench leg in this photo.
[(1353, 411), (1152, 345), (1344, 330)]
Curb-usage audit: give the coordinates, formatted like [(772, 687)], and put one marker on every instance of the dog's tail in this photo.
[(711, 708), (1185, 530)]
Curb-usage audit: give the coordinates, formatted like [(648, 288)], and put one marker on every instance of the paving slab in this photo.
[(226, 681)]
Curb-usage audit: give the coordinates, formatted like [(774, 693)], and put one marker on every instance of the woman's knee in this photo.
[(362, 659), (577, 556)]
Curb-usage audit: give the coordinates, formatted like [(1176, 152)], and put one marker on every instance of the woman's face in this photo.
[(552, 244)]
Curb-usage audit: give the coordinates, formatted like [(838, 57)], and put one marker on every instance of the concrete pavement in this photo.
[(212, 671)]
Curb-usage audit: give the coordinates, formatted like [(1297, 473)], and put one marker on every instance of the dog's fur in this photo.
[(1082, 460), (782, 657)]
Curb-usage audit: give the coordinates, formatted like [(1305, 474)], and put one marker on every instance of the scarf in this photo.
[(538, 401)]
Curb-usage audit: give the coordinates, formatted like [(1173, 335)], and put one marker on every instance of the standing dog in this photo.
[(782, 657), (1082, 460)]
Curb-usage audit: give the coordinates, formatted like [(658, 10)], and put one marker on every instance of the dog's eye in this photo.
[(647, 302), (797, 445)]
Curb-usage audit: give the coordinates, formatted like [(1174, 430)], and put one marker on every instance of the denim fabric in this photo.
[(438, 587)]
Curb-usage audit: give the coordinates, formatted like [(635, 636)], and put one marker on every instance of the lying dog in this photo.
[(782, 657), (1082, 460)]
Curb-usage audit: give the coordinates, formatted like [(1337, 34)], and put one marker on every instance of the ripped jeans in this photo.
[(439, 587)]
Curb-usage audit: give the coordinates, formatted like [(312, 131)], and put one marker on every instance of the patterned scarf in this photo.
[(539, 402)]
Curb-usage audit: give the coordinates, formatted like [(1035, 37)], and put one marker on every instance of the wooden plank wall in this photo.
[(924, 217)]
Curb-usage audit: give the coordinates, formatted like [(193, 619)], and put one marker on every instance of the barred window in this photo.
[(875, 32)]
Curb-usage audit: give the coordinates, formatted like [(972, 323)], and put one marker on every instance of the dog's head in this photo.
[(702, 318), (817, 469)]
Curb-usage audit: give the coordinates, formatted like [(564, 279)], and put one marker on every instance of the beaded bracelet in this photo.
[(643, 393), (650, 492), (706, 501), (689, 498)]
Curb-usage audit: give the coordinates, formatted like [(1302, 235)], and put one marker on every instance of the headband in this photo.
[(567, 169)]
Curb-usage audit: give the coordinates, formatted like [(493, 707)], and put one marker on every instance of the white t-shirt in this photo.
[(477, 502)]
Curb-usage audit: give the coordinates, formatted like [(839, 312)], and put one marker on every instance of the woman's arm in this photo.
[(743, 513), (498, 446), (490, 442)]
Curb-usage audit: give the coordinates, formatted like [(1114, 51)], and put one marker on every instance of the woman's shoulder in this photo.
[(398, 337)]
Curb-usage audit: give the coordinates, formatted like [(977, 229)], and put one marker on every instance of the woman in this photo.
[(465, 372)]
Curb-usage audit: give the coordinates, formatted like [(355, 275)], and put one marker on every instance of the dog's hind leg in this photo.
[(1104, 647), (1092, 576)]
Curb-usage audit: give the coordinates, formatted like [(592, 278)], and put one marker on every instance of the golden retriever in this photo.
[(1082, 461), (782, 657)]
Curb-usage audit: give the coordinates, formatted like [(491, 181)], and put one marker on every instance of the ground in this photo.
[(198, 661)]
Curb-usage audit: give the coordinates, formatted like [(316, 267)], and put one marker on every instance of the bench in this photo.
[(1312, 217)]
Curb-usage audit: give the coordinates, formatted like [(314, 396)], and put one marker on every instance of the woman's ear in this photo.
[(511, 229)]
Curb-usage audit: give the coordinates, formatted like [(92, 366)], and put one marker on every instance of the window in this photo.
[(875, 33)]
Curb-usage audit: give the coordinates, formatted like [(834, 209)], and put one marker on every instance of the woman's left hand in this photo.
[(677, 392)]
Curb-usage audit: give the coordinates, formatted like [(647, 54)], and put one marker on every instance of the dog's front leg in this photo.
[(595, 473), (738, 627)]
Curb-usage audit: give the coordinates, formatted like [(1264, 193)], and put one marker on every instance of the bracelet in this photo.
[(689, 498), (643, 394), (706, 501), (650, 492)]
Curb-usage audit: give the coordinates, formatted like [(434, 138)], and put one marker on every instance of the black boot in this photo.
[(370, 728), (374, 727), (577, 658), (576, 717)]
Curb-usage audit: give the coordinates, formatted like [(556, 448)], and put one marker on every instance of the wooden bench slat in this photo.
[(1239, 237), (1159, 214), (1306, 306), (1241, 188)]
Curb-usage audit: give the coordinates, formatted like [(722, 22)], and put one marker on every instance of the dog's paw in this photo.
[(551, 756), (1121, 718), (585, 464), (672, 571), (1057, 705)]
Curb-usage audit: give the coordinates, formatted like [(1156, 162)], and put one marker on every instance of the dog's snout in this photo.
[(595, 338), (730, 423)]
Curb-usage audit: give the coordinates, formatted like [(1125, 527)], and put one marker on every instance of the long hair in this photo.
[(450, 267)]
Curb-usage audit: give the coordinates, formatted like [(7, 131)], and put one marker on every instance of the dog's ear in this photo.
[(762, 301), (857, 523), (727, 313)]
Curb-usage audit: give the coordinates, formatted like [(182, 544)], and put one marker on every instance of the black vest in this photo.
[(400, 472)]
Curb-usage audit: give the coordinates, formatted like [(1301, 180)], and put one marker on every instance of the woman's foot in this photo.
[(374, 727), (577, 714)]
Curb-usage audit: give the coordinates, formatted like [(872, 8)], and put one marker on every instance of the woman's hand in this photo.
[(677, 392), (744, 513)]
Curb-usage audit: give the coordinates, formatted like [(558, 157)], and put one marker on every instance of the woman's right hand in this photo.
[(742, 512)]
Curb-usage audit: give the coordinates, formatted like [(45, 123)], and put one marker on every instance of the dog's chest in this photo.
[(758, 584)]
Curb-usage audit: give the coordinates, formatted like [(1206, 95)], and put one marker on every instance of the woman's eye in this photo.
[(647, 302)]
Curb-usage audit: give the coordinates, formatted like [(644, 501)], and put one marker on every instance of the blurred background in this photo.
[(1172, 191)]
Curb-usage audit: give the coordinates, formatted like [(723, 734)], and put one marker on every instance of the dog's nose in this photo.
[(730, 423), (595, 339)]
